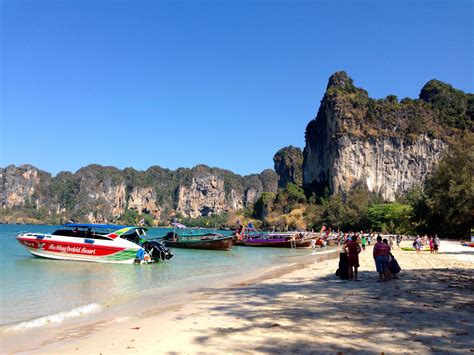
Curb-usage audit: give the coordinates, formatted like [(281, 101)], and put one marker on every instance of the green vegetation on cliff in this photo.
[(103, 193), (440, 110), (288, 164), (443, 205)]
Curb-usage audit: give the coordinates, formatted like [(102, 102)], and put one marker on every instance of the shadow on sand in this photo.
[(421, 311)]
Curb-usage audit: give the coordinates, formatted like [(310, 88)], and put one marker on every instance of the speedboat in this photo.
[(96, 242)]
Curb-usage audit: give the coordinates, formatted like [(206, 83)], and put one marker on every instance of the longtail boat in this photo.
[(210, 241), (275, 240)]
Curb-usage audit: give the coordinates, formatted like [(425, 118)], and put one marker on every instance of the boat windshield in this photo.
[(86, 231), (134, 235)]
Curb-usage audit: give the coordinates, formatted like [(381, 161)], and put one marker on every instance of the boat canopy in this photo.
[(95, 226), (101, 231), (110, 230)]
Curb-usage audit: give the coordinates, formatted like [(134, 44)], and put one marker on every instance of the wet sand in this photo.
[(304, 309)]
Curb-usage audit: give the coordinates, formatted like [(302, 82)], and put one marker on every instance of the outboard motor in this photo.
[(157, 251), (170, 236)]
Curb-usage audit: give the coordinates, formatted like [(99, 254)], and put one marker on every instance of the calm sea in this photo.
[(35, 291)]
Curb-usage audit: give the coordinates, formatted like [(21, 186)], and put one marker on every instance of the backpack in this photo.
[(393, 266)]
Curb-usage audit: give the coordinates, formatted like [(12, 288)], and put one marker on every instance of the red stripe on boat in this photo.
[(70, 248)]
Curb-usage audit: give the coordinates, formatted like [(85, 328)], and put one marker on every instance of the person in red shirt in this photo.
[(353, 249), (381, 252)]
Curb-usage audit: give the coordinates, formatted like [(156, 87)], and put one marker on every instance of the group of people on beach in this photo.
[(432, 241), (385, 263)]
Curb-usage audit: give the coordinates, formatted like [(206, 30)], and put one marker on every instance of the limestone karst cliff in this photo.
[(102, 194), (384, 144), (288, 163)]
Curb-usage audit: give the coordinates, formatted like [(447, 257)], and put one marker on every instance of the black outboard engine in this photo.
[(157, 251), (170, 236)]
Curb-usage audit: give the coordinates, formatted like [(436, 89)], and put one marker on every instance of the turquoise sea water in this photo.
[(37, 291)]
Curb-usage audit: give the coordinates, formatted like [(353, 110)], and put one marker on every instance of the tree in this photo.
[(264, 205), (450, 191), (390, 217)]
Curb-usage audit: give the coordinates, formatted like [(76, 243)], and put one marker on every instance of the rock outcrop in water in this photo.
[(385, 144), (102, 194)]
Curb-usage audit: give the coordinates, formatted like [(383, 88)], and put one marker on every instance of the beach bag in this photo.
[(343, 266), (393, 266)]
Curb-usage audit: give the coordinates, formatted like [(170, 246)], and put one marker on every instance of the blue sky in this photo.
[(224, 83)]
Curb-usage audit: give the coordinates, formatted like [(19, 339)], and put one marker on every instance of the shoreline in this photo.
[(145, 305), (303, 308)]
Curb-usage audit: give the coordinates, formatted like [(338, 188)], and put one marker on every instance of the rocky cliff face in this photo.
[(17, 185), (205, 196), (103, 194), (387, 145), (288, 163)]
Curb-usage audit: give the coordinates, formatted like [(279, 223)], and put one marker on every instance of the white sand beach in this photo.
[(305, 309)]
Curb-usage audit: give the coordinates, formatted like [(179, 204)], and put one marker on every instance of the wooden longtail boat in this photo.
[(210, 241), (285, 240)]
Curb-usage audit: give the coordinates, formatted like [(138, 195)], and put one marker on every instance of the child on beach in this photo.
[(364, 241)]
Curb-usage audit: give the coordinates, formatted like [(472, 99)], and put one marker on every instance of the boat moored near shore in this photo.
[(209, 241), (96, 242)]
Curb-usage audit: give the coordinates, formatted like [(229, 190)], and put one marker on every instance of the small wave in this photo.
[(56, 318)]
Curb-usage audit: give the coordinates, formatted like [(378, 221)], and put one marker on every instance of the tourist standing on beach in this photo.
[(436, 244), (417, 244), (380, 252), (353, 249), (399, 239), (431, 245), (364, 241)]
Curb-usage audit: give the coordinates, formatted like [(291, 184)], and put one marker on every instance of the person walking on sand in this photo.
[(364, 242), (399, 239), (431, 245), (353, 249), (380, 251), (436, 244), (417, 244)]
